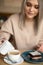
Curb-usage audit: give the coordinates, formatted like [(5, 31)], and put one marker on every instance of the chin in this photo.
[(30, 16)]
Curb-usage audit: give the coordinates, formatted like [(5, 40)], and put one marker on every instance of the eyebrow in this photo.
[(31, 3)]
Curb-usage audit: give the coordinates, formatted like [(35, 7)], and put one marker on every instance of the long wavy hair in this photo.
[(37, 18)]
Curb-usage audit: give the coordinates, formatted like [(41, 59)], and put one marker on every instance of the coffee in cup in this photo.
[(14, 55)]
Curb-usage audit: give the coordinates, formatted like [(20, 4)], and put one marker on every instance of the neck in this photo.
[(29, 21)]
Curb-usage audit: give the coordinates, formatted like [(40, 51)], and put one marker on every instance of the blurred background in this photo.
[(7, 8)]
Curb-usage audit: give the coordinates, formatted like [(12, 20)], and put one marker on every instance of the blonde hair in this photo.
[(37, 18)]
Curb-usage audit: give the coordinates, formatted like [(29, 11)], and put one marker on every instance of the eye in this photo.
[(28, 4), (36, 6)]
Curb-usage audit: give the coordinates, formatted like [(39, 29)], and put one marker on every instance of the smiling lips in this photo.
[(30, 13)]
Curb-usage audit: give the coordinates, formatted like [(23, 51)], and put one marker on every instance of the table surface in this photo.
[(24, 63)]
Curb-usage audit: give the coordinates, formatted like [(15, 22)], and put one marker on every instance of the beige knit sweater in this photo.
[(25, 39)]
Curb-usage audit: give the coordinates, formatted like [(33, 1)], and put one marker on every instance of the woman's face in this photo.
[(31, 8)]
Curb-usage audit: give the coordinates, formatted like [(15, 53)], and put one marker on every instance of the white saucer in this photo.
[(9, 62)]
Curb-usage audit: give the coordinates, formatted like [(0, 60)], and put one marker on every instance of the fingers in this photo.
[(2, 40), (37, 46), (40, 48)]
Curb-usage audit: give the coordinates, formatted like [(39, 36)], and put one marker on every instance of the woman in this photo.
[(25, 27)]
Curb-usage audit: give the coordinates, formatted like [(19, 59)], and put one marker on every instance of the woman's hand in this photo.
[(2, 40), (40, 46)]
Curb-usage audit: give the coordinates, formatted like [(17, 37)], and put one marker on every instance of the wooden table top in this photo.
[(24, 63)]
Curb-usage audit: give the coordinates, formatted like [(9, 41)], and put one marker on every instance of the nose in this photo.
[(32, 9)]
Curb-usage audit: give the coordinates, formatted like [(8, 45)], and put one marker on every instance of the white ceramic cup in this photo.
[(14, 55)]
